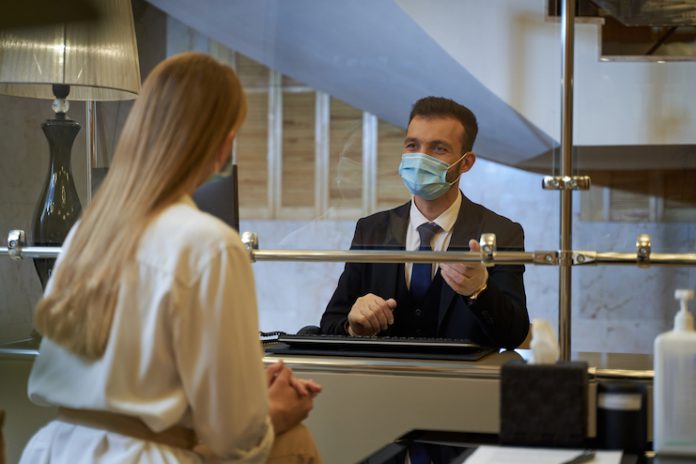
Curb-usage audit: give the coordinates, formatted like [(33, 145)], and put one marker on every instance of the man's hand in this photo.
[(465, 279), (370, 314)]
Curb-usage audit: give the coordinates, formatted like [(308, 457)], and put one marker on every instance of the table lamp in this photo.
[(85, 57)]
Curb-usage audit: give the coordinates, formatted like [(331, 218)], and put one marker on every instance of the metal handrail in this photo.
[(18, 353), (544, 257), (31, 252), (582, 258), (356, 256), (379, 256)]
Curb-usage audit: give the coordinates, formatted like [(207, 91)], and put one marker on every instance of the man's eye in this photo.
[(410, 146)]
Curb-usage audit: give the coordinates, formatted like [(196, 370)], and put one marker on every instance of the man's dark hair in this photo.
[(444, 107)]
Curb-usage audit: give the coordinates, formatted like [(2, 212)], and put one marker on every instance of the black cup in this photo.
[(622, 421)]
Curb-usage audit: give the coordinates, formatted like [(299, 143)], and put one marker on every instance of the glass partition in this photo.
[(623, 308), (634, 138), (313, 159), (335, 164)]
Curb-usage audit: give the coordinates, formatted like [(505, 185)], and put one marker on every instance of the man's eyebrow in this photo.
[(430, 142), (440, 142)]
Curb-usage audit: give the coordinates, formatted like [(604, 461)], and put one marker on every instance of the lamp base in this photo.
[(59, 205)]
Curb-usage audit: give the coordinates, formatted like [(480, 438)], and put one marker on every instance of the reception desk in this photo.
[(367, 402)]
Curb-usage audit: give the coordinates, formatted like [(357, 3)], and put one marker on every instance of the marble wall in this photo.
[(623, 308)]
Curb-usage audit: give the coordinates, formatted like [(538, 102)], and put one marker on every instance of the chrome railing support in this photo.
[(566, 243)]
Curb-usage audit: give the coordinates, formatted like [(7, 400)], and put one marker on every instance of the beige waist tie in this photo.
[(176, 436)]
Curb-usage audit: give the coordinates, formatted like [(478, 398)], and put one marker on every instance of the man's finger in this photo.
[(391, 305), (455, 272), (474, 245), (456, 279), (370, 322), (379, 311)]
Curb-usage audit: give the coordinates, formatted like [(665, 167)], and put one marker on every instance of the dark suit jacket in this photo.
[(497, 318)]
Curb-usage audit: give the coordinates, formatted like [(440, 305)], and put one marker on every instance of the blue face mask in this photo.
[(425, 176)]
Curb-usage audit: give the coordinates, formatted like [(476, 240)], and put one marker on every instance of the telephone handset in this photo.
[(270, 337)]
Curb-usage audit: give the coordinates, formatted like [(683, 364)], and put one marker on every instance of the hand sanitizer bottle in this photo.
[(674, 413)]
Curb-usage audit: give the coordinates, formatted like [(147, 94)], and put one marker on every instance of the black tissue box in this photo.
[(543, 404)]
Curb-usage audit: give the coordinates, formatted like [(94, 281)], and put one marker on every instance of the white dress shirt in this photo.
[(183, 349), (440, 240)]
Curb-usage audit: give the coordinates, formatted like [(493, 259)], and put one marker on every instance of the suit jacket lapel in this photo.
[(395, 239), (397, 222), (465, 228)]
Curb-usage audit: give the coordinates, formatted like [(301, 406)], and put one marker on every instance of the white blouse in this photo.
[(183, 349)]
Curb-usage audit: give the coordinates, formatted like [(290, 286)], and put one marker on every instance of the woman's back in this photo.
[(183, 339), (149, 319)]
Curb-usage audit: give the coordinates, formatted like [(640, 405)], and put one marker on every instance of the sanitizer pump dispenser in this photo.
[(674, 414)]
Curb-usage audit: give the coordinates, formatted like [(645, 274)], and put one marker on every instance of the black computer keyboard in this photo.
[(396, 344)]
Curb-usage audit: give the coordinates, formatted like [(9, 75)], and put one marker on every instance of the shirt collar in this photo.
[(445, 220)]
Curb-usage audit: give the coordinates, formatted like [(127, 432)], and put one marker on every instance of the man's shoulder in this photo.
[(384, 228), (385, 216), (487, 215)]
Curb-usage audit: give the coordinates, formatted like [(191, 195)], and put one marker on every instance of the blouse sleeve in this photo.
[(218, 356)]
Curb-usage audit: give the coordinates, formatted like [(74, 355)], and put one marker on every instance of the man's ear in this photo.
[(468, 161)]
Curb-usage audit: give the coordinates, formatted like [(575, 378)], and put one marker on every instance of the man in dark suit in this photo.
[(448, 300)]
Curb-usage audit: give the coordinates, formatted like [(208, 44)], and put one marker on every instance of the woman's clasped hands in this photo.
[(290, 398)]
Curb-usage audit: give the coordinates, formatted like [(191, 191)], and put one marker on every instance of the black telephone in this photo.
[(270, 337)]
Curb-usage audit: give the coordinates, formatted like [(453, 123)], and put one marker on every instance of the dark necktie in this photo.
[(422, 273)]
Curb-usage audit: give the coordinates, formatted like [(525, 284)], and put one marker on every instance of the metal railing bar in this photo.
[(543, 257), (379, 256), (582, 258)]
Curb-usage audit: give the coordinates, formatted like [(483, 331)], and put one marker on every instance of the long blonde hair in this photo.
[(174, 132)]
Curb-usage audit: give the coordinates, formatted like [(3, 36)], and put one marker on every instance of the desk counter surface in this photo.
[(601, 365)]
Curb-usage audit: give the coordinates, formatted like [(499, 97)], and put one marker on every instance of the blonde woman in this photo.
[(150, 348)]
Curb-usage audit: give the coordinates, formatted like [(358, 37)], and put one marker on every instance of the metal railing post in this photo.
[(564, 287)]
